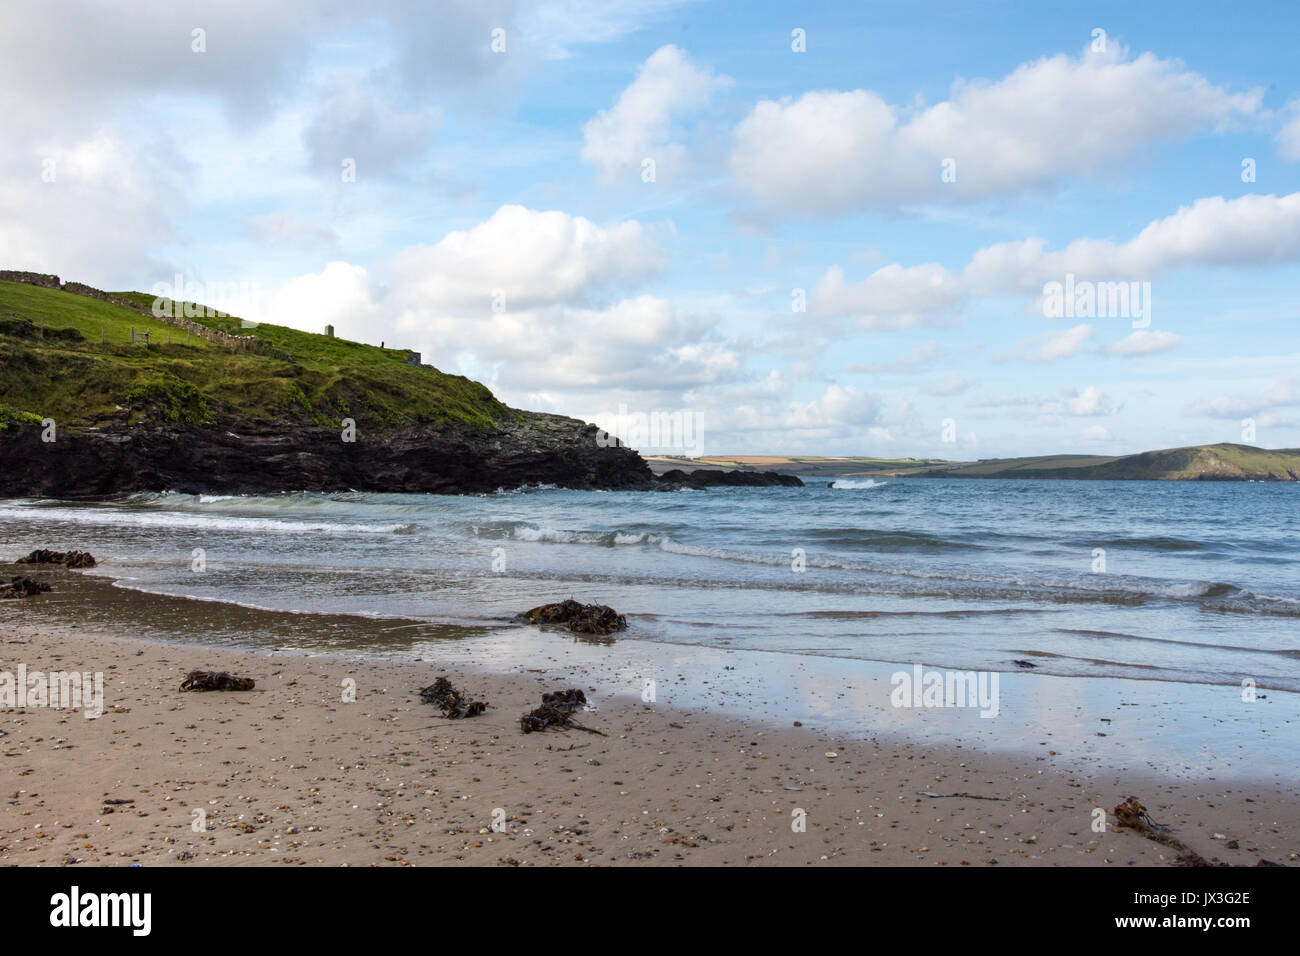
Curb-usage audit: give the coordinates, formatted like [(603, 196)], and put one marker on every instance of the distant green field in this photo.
[(177, 377), (813, 466), (1195, 462), (96, 321), (1198, 462)]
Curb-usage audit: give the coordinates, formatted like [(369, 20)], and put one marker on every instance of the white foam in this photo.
[(202, 522)]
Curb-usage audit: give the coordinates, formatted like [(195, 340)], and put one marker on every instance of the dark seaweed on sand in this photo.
[(557, 711), (69, 559), (578, 618), (20, 587), (447, 698), (1134, 816), (215, 680)]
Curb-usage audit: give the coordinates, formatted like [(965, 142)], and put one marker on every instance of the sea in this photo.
[(1157, 585)]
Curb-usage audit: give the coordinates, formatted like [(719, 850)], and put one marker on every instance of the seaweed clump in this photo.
[(557, 711), (215, 680), (578, 618), (69, 559), (450, 701), (20, 587)]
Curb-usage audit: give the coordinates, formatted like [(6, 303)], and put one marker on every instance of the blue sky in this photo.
[(501, 220)]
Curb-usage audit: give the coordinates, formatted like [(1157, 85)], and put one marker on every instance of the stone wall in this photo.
[(31, 278), (250, 343)]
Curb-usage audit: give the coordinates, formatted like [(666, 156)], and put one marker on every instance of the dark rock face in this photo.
[(706, 478), (258, 458)]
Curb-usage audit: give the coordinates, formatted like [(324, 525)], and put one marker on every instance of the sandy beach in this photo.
[(290, 773)]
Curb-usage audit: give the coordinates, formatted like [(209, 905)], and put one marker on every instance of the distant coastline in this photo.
[(1222, 462)]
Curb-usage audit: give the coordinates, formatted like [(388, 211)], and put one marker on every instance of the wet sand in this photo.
[(290, 773)]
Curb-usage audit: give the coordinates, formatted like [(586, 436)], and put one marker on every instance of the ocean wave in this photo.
[(1154, 543), (113, 517), (855, 484), (528, 532)]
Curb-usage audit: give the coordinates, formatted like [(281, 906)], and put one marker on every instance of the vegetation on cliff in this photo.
[(70, 358)]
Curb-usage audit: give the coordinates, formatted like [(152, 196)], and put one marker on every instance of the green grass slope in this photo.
[(1223, 462), (70, 358), (808, 466)]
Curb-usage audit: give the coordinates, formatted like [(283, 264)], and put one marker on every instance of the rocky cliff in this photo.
[(258, 459)]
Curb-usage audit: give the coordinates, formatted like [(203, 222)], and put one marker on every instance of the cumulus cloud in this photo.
[(640, 124), (1280, 393), (1252, 231), (88, 210), (770, 414), (1091, 401), (953, 384), (920, 357), (890, 298), (249, 112), (829, 152), (1049, 346), (1288, 137), (1143, 342), (529, 298), (520, 258), (355, 123)]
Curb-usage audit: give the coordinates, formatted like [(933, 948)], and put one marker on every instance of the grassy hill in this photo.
[(70, 358), (1223, 462), (807, 466)]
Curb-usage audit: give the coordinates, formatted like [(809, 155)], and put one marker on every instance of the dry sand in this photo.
[(291, 774)]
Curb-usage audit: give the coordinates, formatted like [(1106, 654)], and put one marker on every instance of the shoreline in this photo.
[(290, 773), (1189, 730)]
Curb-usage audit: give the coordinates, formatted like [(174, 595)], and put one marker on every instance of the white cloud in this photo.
[(953, 384), (354, 122), (341, 295), (1049, 346), (1143, 342), (920, 357), (640, 124), (1282, 392), (1250, 231), (1288, 137), (532, 258), (553, 333), (556, 25), (891, 297), (830, 152), (1097, 433), (1091, 401), (103, 203), (1065, 344)]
